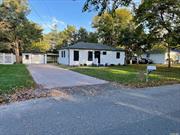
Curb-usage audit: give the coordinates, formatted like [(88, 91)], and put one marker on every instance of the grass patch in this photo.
[(14, 77), (132, 75)]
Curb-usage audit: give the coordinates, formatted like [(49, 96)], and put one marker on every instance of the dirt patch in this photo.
[(22, 95), (63, 93), (89, 90)]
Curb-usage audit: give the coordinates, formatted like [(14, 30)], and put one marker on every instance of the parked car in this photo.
[(134, 60), (145, 61)]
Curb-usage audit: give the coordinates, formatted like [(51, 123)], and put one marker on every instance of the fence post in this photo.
[(12, 58), (3, 58), (45, 58)]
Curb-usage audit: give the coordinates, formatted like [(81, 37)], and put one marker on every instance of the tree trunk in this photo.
[(169, 57), (17, 52)]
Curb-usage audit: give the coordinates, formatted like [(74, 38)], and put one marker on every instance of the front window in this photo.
[(104, 53), (118, 55), (63, 54), (90, 56), (27, 57), (76, 55)]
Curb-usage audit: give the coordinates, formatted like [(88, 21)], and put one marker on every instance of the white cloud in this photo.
[(53, 23), (55, 20)]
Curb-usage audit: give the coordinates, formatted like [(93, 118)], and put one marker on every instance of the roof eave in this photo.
[(94, 49)]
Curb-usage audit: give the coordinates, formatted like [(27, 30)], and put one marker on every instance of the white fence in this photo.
[(7, 58)]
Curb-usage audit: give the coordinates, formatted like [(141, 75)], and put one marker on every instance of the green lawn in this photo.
[(14, 77), (132, 75)]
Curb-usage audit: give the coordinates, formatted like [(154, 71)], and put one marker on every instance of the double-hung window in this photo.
[(63, 54)]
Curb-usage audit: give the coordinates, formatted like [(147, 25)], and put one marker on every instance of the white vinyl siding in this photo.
[(108, 58)]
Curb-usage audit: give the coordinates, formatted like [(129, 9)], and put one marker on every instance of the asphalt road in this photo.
[(50, 76), (114, 111)]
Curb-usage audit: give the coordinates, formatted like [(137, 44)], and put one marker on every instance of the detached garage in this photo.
[(34, 58)]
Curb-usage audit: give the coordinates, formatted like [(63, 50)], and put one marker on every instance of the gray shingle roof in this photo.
[(92, 46)]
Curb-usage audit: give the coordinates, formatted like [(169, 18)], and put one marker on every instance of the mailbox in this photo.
[(151, 68)]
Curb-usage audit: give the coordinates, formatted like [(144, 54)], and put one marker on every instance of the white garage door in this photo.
[(34, 58), (37, 59)]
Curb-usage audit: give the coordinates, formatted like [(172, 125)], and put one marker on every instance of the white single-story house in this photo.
[(91, 53), (7, 58), (34, 58), (162, 58)]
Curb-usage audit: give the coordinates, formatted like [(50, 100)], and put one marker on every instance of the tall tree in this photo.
[(92, 37), (82, 35), (70, 34), (39, 46), (109, 27), (162, 20), (104, 25), (134, 40), (21, 5), (17, 29), (104, 5)]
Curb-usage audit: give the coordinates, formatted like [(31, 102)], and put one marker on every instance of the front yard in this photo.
[(14, 77), (132, 75)]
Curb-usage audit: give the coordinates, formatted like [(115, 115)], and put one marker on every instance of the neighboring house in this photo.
[(91, 53), (7, 58), (162, 58), (34, 58)]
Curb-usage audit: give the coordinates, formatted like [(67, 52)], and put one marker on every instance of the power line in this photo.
[(47, 6), (37, 14), (35, 11)]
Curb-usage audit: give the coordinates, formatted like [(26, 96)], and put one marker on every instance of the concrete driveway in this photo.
[(50, 76), (150, 111)]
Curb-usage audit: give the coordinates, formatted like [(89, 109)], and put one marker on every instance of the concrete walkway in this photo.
[(50, 76)]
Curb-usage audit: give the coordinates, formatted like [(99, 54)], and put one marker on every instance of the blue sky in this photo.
[(60, 12)]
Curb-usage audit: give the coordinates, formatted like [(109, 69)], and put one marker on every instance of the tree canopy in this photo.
[(156, 21), (109, 27), (104, 5), (69, 36), (16, 30), (162, 21), (39, 46)]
